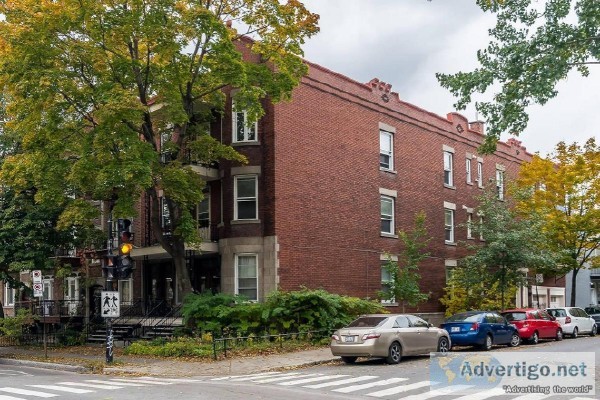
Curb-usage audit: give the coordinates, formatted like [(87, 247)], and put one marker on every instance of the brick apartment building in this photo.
[(331, 177)]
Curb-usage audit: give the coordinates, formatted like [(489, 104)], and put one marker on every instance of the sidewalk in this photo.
[(166, 367)]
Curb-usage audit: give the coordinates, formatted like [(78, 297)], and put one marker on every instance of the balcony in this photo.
[(595, 273), (207, 171), (210, 243)]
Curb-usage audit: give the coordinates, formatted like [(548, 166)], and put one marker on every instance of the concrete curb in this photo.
[(46, 365)]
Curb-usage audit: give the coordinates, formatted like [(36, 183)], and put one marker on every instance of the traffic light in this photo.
[(125, 262), (123, 225), (109, 266)]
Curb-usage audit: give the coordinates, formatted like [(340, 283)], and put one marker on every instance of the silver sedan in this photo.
[(388, 336)]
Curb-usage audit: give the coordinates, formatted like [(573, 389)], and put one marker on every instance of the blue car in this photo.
[(481, 328)]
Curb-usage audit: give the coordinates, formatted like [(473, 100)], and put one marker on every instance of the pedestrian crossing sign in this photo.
[(110, 305)]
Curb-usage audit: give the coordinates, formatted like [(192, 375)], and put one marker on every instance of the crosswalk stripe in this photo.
[(342, 382), (484, 395), (90, 385), (27, 392), (399, 389), (308, 380), (115, 383), (3, 397), (252, 377), (144, 381), (438, 392), (283, 378), (532, 396), (222, 378), (174, 380), (62, 389), (384, 382)]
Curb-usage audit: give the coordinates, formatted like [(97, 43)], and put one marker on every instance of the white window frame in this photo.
[(500, 184), (237, 199), (48, 283), (481, 227), (480, 173), (386, 137), (391, 218), (468, 170), (126, 299), (448, 168), (470, 225), (237, 275), (165, 213), (249, 130), (9, 296), (384, 283), (449, 228)]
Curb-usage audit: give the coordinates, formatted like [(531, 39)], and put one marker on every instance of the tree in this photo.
[(471, 287), (532, 49), (511, 246), (403, 283), (111, 100), (565, 189)]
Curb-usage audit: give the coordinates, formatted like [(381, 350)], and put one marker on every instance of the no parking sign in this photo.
[(38, 290)]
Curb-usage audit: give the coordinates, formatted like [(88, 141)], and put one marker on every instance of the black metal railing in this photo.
[(166, 321), (52, 308), (222, 345)]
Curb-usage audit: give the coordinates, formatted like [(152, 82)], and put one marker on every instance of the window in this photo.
[(401, 322), (246, 200), (386, 150), (9, 295), (448, 178), (480, 174), (247, 275), (417, 322), (449, 225), (481, 227), (387, 215), (469, 225), (125, 291), (468, 169), (203, 211), (386, 282), (500, 184), (242, 132), (47, 289)]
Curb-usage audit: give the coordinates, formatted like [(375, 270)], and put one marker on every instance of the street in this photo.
[(366, 379)]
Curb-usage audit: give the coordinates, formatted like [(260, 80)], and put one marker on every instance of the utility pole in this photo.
[(109, 284)]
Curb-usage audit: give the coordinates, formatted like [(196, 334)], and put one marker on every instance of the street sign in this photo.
[(37, 276), (111, 305), (38, 290)]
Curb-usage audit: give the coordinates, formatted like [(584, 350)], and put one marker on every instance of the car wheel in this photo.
[(575, 333), (443, 345), (489, 341), (535, 338), (559, 335), (515, 340), (349, 360), (394, 353), (594, 330)]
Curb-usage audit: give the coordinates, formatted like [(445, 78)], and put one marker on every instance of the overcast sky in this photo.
[(405, 42)]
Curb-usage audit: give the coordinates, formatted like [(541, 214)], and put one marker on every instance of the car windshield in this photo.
[(464, 318), (515, 316), (367, 322)]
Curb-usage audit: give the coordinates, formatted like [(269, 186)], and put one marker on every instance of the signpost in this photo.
[(110, 308), (38, 291)]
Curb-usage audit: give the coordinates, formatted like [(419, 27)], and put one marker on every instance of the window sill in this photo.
[(388, 235), (450, 243), (245, 221), (470, 183), (386, 304), (253, 143), (470, 238), (480, 186), (449, 187), (391, 171)]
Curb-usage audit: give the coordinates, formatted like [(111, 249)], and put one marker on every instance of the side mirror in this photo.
[(553, 318), (430, 325)]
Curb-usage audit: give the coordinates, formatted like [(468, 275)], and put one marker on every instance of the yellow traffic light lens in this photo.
[(126, 248)]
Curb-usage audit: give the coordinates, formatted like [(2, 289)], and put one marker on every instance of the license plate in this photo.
[(455, 329), (349, 339)]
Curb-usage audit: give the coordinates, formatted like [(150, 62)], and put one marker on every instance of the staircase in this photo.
[(163, 327)]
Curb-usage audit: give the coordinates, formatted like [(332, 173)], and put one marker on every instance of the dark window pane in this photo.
[(246, 209)]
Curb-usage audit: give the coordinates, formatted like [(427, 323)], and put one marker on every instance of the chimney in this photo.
[(477, 126)]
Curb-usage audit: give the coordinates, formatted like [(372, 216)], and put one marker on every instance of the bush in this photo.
[(13, 327), (181, 347), (282, 312)]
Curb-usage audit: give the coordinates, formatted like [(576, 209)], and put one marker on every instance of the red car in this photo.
[(534, 324)]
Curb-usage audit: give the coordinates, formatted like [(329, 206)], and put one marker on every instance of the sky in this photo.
[(405, 42)]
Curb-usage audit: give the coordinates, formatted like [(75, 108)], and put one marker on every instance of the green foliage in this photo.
[(13, 326), (533, 48), (181, 347), (403, 285), (282, 312), (470, 287)]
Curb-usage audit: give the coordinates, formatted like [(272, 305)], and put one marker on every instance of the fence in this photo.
[(229, 343)]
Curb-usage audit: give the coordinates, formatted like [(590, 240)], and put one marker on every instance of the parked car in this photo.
[(389, 336), (534, 324), (594, 312), (574, 321), (481, 328)]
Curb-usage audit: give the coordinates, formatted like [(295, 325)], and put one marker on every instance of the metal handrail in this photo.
[(167, 320)]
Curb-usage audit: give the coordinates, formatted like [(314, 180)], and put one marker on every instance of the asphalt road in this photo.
[(367, 379)]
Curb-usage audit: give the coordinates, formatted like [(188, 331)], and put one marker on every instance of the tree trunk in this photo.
[(573, 287), (182, 275)]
